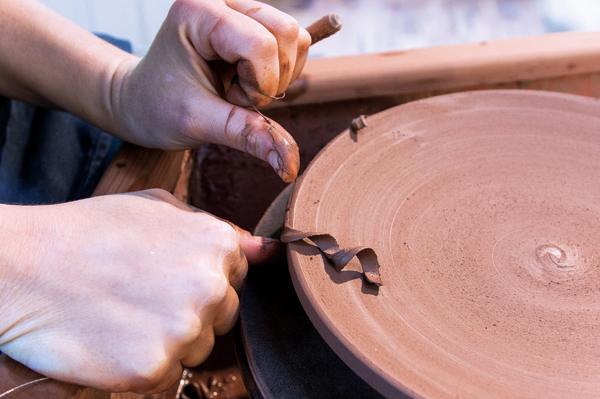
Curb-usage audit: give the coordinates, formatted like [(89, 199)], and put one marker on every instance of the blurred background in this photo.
[(369, 25)]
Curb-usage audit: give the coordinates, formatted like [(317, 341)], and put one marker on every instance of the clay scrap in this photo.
[(338, 256)]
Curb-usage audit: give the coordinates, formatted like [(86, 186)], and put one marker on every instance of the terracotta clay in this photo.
[(339, 257), (484, 211)]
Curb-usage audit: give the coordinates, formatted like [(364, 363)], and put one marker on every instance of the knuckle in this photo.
[(222, 233), (264, 44), (187, 330), (214, 293), (201, 349), (304, 40), (220, 285), (148, 373), (225, 323), (286, 27), (181, 10)]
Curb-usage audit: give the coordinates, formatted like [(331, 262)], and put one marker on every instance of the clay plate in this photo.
[(484, 211)]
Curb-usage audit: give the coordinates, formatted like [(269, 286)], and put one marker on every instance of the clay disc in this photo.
[(484, 211)]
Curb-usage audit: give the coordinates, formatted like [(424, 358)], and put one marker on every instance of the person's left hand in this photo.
[(210, 60)]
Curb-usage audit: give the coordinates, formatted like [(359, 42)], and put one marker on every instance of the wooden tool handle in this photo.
[(324, 27)]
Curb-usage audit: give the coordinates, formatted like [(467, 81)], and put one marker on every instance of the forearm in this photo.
[(47, 60)]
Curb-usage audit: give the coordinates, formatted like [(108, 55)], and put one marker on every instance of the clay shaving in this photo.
[(338, 256)]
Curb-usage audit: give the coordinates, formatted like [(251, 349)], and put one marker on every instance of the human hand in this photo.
[(118, 292), (181, 94)]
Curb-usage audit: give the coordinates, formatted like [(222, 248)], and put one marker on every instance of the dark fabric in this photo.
[(4, 114), (49, 156), (115, 41)]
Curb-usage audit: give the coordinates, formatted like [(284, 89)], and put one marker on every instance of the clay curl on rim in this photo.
[(338, 256)]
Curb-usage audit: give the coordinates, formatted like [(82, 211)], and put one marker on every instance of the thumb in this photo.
[(250, 132), (257, 249)]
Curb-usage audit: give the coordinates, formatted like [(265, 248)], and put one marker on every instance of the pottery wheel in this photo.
[(484, 211)]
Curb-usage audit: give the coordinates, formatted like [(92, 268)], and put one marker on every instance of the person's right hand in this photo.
[(119, 292)]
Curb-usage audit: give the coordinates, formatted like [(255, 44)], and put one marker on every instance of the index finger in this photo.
[(255, 249), (284, 28), (241, 40), (218, 32)]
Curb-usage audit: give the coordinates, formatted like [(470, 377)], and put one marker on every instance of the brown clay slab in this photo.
[(484, 211)]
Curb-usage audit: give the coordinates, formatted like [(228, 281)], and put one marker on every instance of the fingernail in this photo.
[(265, 240), (274, 159)]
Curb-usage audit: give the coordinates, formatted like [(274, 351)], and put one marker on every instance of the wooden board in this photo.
[(445, 68), (135, 168)]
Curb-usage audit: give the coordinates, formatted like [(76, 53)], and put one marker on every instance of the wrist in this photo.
[(22, 249), (117, 95)]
